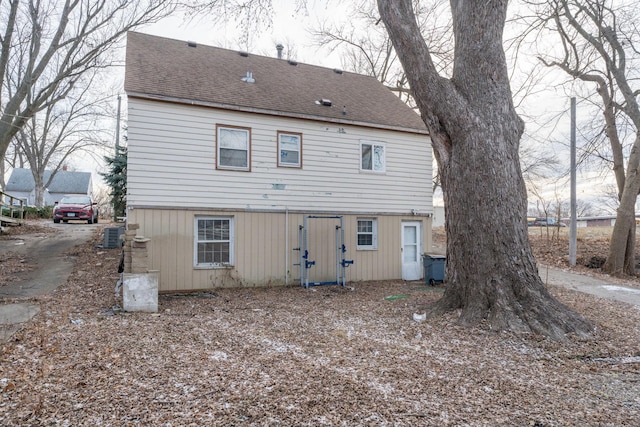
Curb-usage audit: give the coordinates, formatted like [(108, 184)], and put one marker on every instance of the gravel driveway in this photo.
[(48, 266)]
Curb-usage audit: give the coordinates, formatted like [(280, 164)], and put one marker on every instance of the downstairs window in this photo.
[(213, 241)]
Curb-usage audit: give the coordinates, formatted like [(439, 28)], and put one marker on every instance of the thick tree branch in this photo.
[(62, 44)]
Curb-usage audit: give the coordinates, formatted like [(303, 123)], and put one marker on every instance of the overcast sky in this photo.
[(291, 29)]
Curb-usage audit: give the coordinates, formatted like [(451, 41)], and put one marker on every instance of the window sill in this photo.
[(213, 267), (229, 168), (366, 248)]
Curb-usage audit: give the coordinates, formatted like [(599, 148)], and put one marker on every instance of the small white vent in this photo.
[(249, 78)]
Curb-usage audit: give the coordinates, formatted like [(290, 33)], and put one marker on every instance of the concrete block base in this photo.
[(140, 292)]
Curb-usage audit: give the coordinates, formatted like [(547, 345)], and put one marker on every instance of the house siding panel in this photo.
[(172, 164), (262, 255)]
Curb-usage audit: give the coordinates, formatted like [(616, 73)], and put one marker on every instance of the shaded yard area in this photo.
[(290, 356)]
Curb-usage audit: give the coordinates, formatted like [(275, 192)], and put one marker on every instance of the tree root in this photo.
[(538, 314)]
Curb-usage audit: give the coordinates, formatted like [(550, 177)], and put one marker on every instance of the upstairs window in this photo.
[(367, 234), (372, 157), (233, 148), (290, 149)]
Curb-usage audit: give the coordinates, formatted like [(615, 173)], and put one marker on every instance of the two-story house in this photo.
[(247, 170)]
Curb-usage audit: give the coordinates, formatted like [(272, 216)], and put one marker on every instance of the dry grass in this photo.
[(551, 247), (293, 357)]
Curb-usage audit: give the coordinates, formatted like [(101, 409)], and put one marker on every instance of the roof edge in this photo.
[(142, 95)]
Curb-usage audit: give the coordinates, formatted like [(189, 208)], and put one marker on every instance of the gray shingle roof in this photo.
[(171, 70), (63, 181)]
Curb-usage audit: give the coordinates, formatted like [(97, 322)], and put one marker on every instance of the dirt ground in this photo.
[(293, 357), (551, 247), (14, 260)]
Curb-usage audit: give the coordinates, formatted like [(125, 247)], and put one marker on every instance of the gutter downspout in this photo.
[(286, 246)]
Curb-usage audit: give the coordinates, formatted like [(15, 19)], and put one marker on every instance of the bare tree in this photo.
[(367, 49), (72, 125), (13, 159), (46, 45), (599, 48), (476, 133), (252, 16)]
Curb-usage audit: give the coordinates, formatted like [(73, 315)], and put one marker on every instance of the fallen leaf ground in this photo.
[(294, 357), (13, 262)]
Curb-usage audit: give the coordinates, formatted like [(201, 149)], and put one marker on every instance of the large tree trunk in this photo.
[(621, 257), (491, 272), (475, 132)]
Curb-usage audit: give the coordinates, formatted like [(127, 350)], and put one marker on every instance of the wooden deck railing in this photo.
[(11, 209)]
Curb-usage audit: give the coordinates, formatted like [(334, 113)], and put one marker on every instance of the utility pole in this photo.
[(573, 232), (118, 126), (117, 149)]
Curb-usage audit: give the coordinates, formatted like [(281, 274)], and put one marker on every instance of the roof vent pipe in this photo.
[(249, 78), (279, 48)]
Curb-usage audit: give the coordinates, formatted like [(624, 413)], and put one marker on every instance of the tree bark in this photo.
[(38, 189), (621, 258), (475, 132)]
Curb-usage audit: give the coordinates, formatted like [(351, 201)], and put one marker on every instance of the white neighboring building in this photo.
[(22, 185), (438, 216)]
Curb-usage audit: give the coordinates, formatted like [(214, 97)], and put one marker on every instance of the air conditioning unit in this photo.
[(112, 237)]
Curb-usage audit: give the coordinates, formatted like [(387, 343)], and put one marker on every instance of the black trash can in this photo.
[(434, 267)]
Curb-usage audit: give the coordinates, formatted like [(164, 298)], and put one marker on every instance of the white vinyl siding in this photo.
[(289, 150), (172, 162), (213, 241), (367, 234)]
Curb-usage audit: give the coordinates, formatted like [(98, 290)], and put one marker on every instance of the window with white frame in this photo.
[(367, 233), (372, 156), (213, 241), (290, 149), (233, 148)]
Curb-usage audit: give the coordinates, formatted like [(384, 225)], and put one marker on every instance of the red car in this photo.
[(75, 208)]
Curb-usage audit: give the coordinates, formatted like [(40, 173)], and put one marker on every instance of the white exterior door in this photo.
[(411, 246)]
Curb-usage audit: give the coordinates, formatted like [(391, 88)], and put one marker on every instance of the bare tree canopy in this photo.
[(72, 125), (367, 49), (476, 134), (599, 47), (47, 45)]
